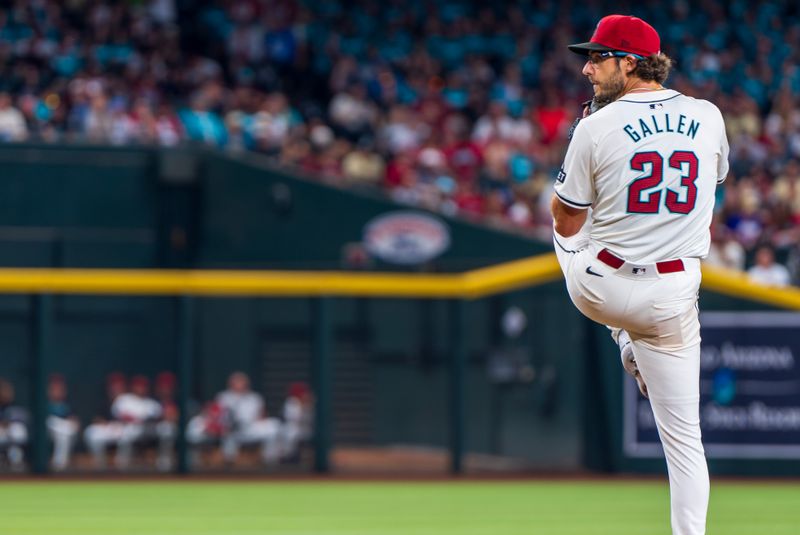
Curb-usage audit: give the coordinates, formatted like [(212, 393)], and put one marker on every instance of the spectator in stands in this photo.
[(469, 200), (464, 156), (352, 114), (402, 130), (168, 129), (12, 122), (62, 423), (13, 427), (552, 117), (271, 125), (785, 196), (100, 122), (363, 165), (201, 123), (746, 217), (495, 124), (725, 251), (140, 126), (793, 264), (767, 271), (304, 82)]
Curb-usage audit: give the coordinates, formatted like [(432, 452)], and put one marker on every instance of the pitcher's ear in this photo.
[(630, 64)]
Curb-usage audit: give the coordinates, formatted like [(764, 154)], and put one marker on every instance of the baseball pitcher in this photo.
[(632, 212)]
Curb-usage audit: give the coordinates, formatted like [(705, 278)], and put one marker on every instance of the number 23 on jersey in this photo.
[(650, 203)]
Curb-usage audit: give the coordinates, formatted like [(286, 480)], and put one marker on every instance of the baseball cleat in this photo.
[(629, 362)]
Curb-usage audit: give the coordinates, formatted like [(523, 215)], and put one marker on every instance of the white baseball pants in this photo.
[(63, 431), (265, 431), (13, 438), (125, 435), (659, 312)]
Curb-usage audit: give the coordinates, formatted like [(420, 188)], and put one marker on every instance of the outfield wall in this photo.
[(141, 208), (559, 407)]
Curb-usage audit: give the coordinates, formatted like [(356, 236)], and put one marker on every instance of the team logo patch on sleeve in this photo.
[(561, 175), (572, 128)]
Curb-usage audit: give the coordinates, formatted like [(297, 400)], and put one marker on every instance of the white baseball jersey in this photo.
[(131, 407), (245, 408), (647, 165)]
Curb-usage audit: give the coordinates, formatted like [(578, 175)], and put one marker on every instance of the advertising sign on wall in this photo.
[(749, 390), (406, 237)]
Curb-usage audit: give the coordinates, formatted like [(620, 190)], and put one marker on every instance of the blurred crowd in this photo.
[(139, 425), (458, 106)]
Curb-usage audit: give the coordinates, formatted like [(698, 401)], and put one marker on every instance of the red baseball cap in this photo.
[(140, 381), (621, 33), (298, 390), (165, 379), (116, 378)]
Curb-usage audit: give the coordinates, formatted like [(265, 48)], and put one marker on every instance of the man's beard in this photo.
[(610, 91)]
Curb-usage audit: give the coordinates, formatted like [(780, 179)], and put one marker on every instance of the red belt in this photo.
[(667, 266)]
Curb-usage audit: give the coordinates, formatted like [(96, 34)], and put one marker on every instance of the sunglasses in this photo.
[(600, 57)]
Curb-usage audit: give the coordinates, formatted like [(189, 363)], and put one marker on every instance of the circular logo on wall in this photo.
[(406, 237)]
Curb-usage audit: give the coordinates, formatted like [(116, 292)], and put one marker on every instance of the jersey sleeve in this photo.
[(155, 409), (722, 162), (574, 185), (120, 408), (116, 408)]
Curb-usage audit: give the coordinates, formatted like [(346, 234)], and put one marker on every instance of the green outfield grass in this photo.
[(356, 508)]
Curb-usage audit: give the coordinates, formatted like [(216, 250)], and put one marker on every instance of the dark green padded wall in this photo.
[(246, 221)]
